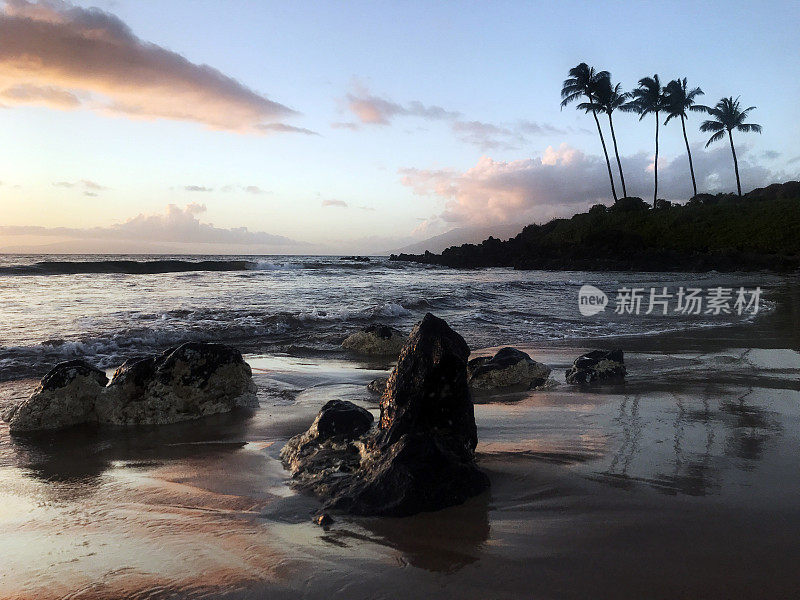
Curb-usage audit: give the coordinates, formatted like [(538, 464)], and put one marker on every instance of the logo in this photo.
[(591, 300)]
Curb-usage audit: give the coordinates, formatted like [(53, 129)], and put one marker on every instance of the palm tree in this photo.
[(582, 80), (608, 98), (648, 98), (727, 117), (679, 99)]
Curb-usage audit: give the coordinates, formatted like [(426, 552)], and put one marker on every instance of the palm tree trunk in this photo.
[(689, 152), (735, 164), (655, 167), (608, 162), (616, 151)]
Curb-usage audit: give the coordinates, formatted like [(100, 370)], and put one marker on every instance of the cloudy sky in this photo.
[(259, 126)]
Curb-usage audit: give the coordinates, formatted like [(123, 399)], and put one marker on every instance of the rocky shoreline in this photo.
[(757, 232), (420, 457)]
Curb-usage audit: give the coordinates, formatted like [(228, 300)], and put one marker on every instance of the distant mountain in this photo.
[(458, 236)]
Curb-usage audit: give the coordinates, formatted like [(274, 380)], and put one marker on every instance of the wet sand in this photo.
[(682, 483)]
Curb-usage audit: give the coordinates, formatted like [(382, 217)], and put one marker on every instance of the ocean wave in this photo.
[(151, 267), (266, 265), (129, 267)]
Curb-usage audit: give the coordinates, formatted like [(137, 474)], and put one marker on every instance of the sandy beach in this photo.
[(681, 483)]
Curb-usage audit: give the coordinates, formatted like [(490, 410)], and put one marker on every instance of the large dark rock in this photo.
[(597, 366), (190, 381), (428, 390), (376, 339), (421, 457), (66, 396), (419, 472), (509, 368)]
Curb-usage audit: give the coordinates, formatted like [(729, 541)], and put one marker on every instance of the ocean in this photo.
[(681, 482), (105, 309)]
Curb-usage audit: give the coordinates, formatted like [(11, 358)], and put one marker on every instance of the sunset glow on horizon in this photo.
[(251, 127)]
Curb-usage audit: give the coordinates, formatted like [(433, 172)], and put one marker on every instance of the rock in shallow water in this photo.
[(597, 366), (66, 396), (421, 457), (329, 448), (378, 385), (509, 368), (377, 340), (187, 382)]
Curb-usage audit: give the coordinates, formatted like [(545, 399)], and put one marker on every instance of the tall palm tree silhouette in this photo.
[(727, 116), (607, 99), (582, 81), (679, 99), (648, 98)]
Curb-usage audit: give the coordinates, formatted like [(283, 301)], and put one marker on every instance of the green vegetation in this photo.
[(725, 232)]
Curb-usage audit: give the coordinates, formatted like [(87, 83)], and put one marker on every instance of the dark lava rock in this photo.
[(421, 458), (328, 448), (186, 382), (597, 366), (64, 373), (420, 472), (509, 368), (428, 391), (341, 418), (189, 381), (66, 396)]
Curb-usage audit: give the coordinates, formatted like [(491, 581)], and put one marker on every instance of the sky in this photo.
[(339, 127)]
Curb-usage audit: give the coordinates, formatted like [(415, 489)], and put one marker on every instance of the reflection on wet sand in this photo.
[(682, 483)]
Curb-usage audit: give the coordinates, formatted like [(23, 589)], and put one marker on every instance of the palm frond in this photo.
[(706, 126), (749, 127), (715, 138)]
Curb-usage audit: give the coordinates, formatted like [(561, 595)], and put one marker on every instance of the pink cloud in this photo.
[(565, 180), (175, 225), (66, 57), (336, 203)]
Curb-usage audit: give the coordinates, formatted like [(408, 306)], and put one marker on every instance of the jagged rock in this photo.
[(66, 396), (378, 386), (381, 340), (419, 472), (428, 390), (597, 366), (188, 382), (421, 458), (327, 449), (509, 368)]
